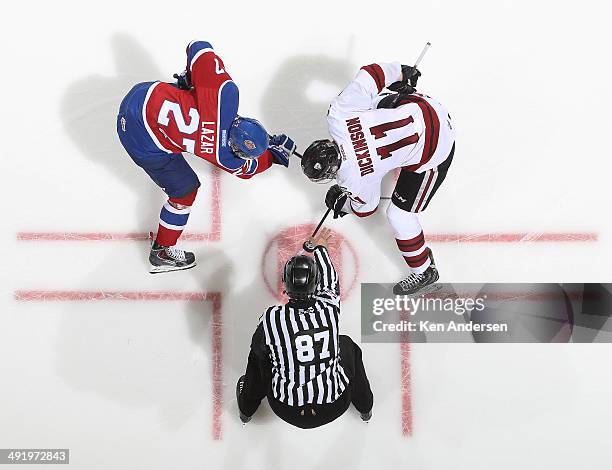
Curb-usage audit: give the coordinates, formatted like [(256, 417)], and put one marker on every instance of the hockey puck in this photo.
[(308, 246)]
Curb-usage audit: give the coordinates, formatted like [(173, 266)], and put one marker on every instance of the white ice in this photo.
[(128, 384)]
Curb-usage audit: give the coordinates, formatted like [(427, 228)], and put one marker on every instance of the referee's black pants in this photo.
[(258, 384)]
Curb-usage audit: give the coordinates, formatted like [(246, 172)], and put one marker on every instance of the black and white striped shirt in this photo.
[(302, 342)]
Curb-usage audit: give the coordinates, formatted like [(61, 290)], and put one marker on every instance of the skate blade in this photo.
[(168, 269), (435, 287), (429, 289)]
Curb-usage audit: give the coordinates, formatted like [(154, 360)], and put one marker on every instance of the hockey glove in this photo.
[(183, 81), (282, 147), (335, 199), (408, 83)]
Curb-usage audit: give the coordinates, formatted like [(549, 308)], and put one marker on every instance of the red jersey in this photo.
[(198, 120)]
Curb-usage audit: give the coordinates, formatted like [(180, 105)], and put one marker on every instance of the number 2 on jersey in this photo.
[(304, 346), (167, 108), (380, 131)]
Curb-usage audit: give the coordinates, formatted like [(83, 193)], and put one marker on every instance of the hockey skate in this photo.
[(169, 258), (365, 417), (419, 283), (239, 386)]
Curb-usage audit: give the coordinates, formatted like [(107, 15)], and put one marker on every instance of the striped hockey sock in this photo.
[(409, 238), (415, 252), (172, 221)]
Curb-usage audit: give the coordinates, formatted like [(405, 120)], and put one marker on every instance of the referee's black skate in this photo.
[(169, 258), (365, 417), (239, 386), (419, 283)]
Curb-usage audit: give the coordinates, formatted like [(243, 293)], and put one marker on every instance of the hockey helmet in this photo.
[(300, 277), (321, 161), (247, 138)]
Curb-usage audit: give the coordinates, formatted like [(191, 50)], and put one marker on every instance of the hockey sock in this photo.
[(410, 239), (173, 218), (415, 252)]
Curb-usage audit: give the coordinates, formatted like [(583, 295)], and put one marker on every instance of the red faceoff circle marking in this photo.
[(289, 242)]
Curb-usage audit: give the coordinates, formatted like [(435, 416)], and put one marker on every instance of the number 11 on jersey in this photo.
[(380, 131)]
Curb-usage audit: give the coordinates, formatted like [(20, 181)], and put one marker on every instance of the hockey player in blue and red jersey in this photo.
[(198, 114)]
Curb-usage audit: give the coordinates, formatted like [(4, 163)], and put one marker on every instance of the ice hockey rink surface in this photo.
[(134, 371)]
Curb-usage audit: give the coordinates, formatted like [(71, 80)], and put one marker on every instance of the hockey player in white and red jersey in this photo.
[(374, 133)]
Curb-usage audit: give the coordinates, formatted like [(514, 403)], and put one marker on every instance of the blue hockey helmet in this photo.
[(247, 138)]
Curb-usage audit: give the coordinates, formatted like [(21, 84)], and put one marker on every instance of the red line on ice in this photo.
[(406, 387), (514, 237), (405, 382), (215, 229), (215, 235), (217, 366), (106, 236), (67, 296), (155, 296)]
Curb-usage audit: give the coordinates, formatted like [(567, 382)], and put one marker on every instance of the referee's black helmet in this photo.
[(300, 277)]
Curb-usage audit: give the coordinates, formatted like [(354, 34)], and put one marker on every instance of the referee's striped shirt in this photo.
[(302, 341)]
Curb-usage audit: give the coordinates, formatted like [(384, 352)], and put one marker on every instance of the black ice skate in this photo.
[(365, 417), (239, 386), (418, 283), (169, 258)]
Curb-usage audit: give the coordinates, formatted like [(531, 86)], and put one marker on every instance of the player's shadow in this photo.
[(240, 312), (145, 358), (109, 352), (295, 103), (88, 112), (124, 353)]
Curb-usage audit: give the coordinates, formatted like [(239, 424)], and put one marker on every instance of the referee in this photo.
[(298, 360)]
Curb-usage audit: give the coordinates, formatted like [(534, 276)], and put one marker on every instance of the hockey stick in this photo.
[(416, 64), (418, 61), (309, 247)]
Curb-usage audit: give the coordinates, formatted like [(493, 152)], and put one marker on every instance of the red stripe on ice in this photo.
[(215, 235), (217, 367), (516, 237), (105, 236), (405, 382), (67, 296), (406, 387)]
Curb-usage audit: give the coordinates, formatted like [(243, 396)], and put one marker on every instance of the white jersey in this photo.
[(417, 135)]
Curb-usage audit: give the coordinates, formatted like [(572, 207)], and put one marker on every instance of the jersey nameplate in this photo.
[(360, 146)]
